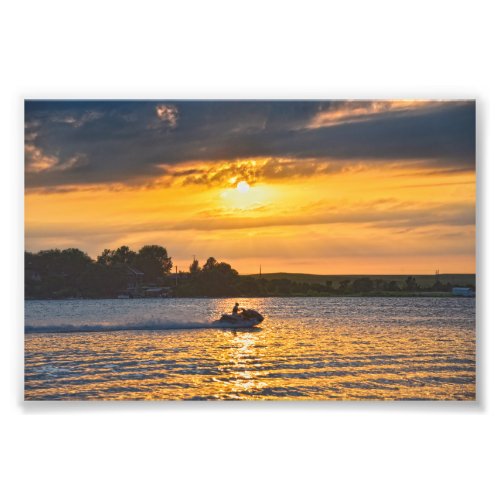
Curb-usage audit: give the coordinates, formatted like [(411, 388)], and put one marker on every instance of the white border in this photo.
[(223, 49)]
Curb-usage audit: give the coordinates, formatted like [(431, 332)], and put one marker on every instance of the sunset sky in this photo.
[(329, 187)]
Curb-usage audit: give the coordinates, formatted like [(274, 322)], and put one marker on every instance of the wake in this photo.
[(116, 327)]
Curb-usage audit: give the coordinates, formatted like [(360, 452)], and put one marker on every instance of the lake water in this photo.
[(307, 348)]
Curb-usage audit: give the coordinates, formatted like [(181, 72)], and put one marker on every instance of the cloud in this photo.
[(380, 215), (36, 160), (167, 114), (121, 143), (255, 170), (76, 120), (347, 111), (383, 228)]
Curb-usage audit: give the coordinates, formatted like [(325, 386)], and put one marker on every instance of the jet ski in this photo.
[(245, 319)]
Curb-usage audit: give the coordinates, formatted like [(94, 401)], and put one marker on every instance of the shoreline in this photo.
[(359, 295)]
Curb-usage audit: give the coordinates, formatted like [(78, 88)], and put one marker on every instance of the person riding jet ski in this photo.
[(241, 317)]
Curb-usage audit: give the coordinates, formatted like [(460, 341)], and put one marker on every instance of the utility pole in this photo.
[(175, 275), (260, 270)]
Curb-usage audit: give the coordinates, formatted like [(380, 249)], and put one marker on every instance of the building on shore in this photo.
[(135, 280), (462, 291)]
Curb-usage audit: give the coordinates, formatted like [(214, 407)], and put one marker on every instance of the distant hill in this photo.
[(423, 280)]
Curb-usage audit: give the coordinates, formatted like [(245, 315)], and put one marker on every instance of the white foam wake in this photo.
[(114, 327)]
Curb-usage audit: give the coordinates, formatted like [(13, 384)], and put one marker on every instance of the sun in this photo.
[(243, 196), (243, 187)]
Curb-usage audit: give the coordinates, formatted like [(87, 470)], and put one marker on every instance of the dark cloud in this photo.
[(135, 142)]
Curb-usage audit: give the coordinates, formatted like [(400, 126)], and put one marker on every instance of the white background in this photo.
[(257, 49)]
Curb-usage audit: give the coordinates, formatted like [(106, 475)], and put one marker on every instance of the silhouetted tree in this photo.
[(391, 286), (194, 268), (153, 261), (344, 285), (55, 272), (59, 262), (106, 257), (362, 285), (209, 264), (122, 255), (411, 284), (218, 278), (248, 285), (99, 280), (72, 273), (438, 286)]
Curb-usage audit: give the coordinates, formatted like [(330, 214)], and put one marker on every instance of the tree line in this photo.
[(72, 273)]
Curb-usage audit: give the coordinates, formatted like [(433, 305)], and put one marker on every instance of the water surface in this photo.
[(307, 348)]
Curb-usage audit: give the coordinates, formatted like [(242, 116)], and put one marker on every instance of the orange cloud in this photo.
[(344, 111), (168, 114), (36, 160)]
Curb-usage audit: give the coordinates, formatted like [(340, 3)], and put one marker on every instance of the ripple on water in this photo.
[(307, 348)]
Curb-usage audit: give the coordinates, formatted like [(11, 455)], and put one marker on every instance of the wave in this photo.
[(113, 327)]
